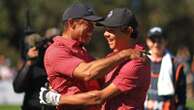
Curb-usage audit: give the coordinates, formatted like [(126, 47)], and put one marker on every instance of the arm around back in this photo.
[(95, 97), (98, 68)]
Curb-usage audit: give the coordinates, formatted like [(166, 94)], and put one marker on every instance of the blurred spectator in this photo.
[(183, 56), (192, 73), (6, 77), (52, 32), (5, 71), (165, 81), (32, 75)]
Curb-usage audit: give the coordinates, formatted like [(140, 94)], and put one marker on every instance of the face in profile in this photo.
[(116, 38), (83, 30)]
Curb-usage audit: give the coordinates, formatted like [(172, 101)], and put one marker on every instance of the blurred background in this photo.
[(17, 16)]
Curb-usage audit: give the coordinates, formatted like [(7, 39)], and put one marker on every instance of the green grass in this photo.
[(9, 107), (190, 104)]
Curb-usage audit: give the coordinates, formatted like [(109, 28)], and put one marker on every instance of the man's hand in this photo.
[(133, 53), (32, 52), (48, 97)]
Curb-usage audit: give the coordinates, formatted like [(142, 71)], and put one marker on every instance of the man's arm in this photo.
[(99, 68), (127, 80), (132, 75), (21, 81), (88, 98)]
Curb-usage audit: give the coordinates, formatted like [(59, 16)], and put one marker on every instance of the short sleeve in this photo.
[(129, 76), (65, 63)]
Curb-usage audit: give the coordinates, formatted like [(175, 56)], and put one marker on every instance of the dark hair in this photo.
[(134, 24), (134, 34)]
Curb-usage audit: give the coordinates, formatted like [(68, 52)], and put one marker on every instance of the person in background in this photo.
[(126, 85), (32, 75), (52, 32), (167, 88), (6, 72), (183, 56), (192, 73)]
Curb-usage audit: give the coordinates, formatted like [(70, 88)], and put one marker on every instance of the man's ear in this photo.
[(70, 23)]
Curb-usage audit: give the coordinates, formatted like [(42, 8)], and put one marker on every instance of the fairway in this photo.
[(190, 105), (9, 107)]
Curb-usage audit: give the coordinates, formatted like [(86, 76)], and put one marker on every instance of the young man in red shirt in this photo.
[(125, 85)]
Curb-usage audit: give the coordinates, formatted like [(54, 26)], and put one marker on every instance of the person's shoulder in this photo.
[(57, 49), (132, 64), (135, 68), (139, 61)]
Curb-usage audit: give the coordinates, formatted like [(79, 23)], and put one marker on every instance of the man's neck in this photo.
[(128, 46), (68, 35)]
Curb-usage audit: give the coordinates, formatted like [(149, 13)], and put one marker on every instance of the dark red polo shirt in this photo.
[(132, 79), (61, 58)]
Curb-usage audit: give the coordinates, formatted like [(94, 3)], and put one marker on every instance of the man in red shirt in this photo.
[(130, 79), (126, 85), (70, 68)]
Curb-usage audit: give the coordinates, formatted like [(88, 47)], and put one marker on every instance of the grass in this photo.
[(190, 104), (10, 107)]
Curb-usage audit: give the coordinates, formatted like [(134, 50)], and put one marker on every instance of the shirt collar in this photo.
[(67, 42)]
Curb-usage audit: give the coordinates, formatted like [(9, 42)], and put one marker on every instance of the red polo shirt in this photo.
[(61, 58), (132, 78)]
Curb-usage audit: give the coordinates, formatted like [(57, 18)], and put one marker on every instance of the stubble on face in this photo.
[(85, 30)]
